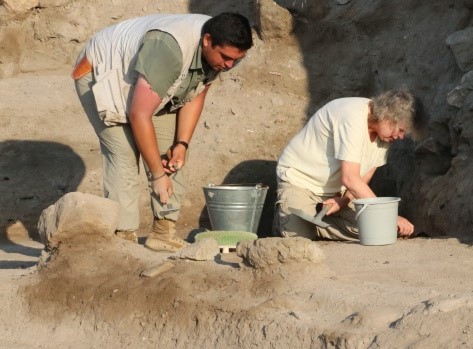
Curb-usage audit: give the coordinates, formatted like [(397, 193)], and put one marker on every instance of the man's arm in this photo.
[(187, 119), (144, 103)]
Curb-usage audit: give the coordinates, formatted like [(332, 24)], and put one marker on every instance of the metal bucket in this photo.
[(235, 207), (377, 220)]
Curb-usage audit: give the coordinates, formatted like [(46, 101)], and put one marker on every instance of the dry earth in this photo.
[(416, 293)]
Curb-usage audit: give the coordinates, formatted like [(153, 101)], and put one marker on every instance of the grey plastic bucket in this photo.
[(377, 220), (235, 207)]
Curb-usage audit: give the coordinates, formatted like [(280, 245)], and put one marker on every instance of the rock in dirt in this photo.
[(457, 96), (157, 269), (461, 43), (275, 21), (203, 250), (266, 252), (77, 213)]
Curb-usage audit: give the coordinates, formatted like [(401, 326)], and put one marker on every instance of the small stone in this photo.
[(44, 258), (203, 250), (457, 96), (157, 269)]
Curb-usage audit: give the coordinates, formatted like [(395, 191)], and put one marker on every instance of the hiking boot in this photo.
[(129, 235), (163, 237)]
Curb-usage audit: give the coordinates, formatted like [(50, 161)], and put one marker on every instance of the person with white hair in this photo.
[(332, 160)]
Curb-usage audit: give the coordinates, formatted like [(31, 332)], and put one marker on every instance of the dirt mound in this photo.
[(197, 303), (91, 293)]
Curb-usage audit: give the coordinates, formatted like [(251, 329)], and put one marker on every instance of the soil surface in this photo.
[(416, 293)]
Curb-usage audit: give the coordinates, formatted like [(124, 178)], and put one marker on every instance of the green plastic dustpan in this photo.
[(227, 238)]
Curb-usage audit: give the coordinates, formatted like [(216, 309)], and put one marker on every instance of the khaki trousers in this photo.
[(342, 223), (121, 160)]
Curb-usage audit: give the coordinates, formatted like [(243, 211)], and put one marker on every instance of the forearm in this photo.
[(145, 138), (356, 185), (367, 177), (188, 117), (367, 192)]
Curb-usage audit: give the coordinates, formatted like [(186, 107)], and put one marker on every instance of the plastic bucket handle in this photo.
[(361, 210), (373, 201)]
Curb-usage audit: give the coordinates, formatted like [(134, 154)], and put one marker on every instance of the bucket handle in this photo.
[(361, 210), (255, 195), (258, 186)]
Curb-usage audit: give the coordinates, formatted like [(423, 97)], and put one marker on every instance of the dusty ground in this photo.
[(415, 293)]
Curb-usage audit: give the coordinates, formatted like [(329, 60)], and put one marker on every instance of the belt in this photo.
[(82, 68)]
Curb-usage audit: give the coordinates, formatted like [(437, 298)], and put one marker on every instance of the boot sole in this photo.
[(162, 246)]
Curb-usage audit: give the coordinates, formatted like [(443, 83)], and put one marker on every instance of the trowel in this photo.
[(168, 209), (317, 219)]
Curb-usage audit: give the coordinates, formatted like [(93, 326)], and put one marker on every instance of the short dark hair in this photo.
[(229, 28)]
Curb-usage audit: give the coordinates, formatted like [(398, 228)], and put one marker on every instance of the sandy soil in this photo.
[(416, 293)]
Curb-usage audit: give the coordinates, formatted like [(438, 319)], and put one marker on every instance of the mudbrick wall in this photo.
[(349, 48)]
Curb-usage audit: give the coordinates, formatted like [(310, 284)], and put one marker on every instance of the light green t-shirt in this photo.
[(160, 61), (337, 131)]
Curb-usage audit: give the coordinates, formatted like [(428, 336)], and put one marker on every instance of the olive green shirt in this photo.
[(159, 60)]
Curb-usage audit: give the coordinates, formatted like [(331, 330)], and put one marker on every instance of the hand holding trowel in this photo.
[(177, 159), (317, 219)]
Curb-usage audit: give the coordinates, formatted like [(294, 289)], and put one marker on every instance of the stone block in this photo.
[(77, 213), (267, 252), (203, 250)]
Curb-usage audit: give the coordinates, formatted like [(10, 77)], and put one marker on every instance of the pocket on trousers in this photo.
[(109, 97)]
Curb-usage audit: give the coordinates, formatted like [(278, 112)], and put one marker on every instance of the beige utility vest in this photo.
[(113, 52)]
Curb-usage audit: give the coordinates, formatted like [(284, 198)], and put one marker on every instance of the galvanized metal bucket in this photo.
[(235, 207)]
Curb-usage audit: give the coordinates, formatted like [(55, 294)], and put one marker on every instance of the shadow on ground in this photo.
[(33, 175)]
